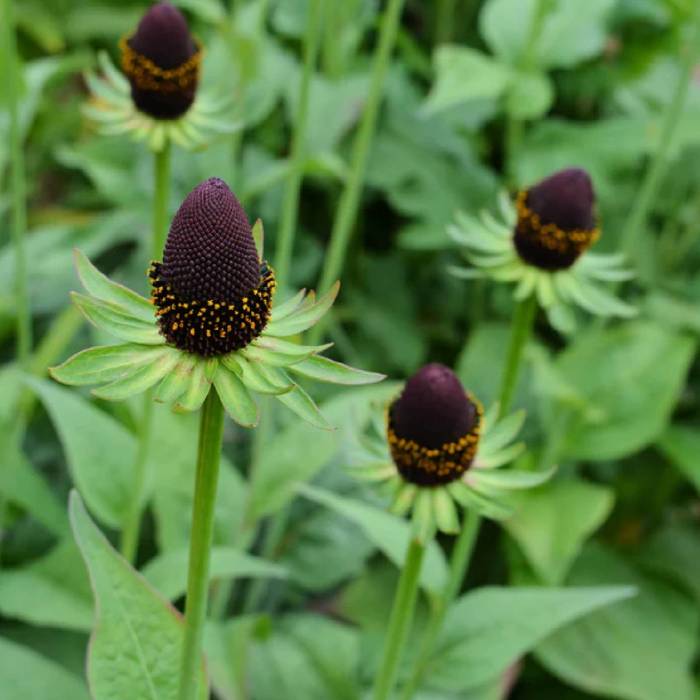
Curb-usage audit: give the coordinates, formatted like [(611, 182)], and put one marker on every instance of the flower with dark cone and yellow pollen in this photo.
[(226, 307), (162, 61), (439, 450), (541, 245), (215, 286), (157, 99)]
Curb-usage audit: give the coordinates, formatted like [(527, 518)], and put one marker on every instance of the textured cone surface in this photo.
[(161, 60), (433, 427), (556, 220), (212, 292)]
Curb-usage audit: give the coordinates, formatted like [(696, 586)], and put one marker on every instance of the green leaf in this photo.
[(390, 534), (100, 286), (235, 397), (304, 317), (486, 631), (103, 364), (198, 386), (136, 646), (100, 452), (324, 370), (552, 523), (463, 75), (681, 444), (298, 401), (168, 571), (631, 394), (177, 381), (278, 352), (259, 238), (26, 675), (51, 592), (604, 654), (110, 318), (257, 376)]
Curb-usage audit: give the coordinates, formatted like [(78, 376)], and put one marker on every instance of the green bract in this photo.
[(489, 248), (433, 507), (143, 360), (114, 112)]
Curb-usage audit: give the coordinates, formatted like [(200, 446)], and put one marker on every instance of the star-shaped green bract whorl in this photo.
[(556, 220), (433, 427), (161, 61), (212, 291)]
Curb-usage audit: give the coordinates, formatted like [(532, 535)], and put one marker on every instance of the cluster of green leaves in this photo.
[(596, 577)]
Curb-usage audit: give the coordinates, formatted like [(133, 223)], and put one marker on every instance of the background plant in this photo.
[(477, 95)]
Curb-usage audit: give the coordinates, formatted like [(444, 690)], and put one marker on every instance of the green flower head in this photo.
[(211, 321)]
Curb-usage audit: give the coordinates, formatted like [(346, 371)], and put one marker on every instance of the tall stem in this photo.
[(290, 204), (640, 210), (19, 191), (399, 622), (131, 527), (459, 564), (349, 201), (521, 329), (444, 21), (211, 428)]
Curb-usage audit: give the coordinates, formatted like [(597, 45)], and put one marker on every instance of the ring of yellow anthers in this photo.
[(146, 75), (427, 466), (210, 327), (550, 236)]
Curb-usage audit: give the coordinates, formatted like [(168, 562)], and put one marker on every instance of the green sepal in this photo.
[(176, 382), (423, 521), (502, 432), (509, 479), (288, 307), (305, 317), (259, 238), (102, 364), (403, 498), (112, 319), (278, 352), (493, 460), (197, 389), (258, 377), (143, 377), (303, 405), (484, 505), (373, 471), (446, 517), (101, 287), (235, 397), (324, 370)]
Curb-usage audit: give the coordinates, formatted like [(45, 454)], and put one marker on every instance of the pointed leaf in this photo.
[(259, 238), (176, 382), (197, 388), (302, 319), (280, 353), (445, 512), (258, 377), (303, 405), (510, 479), (235, 397), (287, 307), (324, 370)]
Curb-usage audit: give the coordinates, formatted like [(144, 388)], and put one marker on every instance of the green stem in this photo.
[(349, 201), (19, 192), (399, 622), (444, 21), (459, 565), (161, 196), (208, 455), (521, 329), (290, 204), (639, 212)]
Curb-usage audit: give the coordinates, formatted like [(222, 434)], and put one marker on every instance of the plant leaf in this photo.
[(235, 397), (304, 317), (325, 370)]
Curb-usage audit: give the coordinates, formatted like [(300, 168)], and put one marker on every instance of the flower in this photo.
[(440, 448), (158, 100), (542, 245), (211, 321), (162, 61)]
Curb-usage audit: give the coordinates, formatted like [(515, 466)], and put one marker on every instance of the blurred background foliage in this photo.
[(472, 103)]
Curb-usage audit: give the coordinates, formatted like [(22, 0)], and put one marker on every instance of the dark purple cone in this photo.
[(162, 38), (212, 292), (564, 201), (433, 408)]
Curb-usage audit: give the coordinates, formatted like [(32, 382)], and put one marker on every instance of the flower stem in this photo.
[(349, 201), (640, 210), (399, 622), (444, 21), (521, 329), (19, 191), (161, 172), (290, 204), (459, 564), (208, 456)]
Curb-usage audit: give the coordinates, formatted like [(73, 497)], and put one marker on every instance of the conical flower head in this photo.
[(433, 427), (161, 61), (213, 292), (556, 220)]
